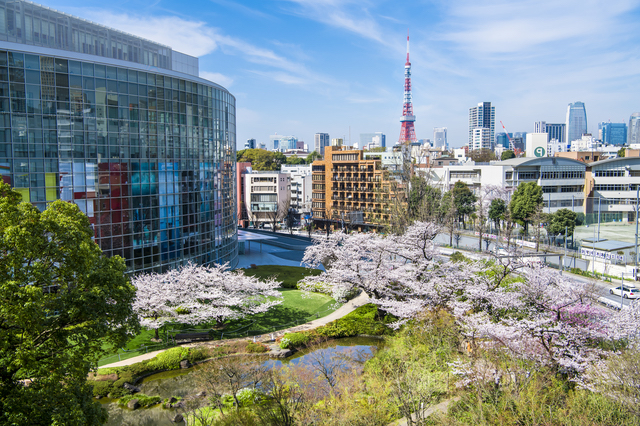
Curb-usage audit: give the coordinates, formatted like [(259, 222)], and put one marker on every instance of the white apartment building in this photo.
[(562, 179), (265, 194), (300, 178), (612, 189)]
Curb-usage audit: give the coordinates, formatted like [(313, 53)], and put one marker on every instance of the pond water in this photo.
[(182, 383)]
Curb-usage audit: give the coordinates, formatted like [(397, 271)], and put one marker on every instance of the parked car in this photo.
[(627, 292)]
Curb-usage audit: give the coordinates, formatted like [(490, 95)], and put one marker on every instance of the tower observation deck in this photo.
[(407, 130)]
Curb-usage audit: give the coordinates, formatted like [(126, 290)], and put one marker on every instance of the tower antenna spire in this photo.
[(407, 130)]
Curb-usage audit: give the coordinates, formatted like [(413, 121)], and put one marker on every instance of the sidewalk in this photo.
[(350, 306)]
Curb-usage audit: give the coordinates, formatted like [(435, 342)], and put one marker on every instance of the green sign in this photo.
[(539, 152)]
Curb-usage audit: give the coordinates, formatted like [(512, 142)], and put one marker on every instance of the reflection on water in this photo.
[(181, 383)]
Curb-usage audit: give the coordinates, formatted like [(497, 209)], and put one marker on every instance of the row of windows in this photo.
[(345, 157), (45, 27), (610, 173), (568, 188), (563, 175), (615, 187), (264, 198), (56, 69)]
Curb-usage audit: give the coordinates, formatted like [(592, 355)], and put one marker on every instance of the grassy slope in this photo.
[(296, 308)]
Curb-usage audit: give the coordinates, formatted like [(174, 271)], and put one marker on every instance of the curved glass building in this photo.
[(124, 128)]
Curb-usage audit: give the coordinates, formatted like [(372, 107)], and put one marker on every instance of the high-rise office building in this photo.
[(576, 122), (503, 140), (553, 131), (482, 117), (370, 140), (613, 133), (250, 144), (440, 138), (320, 140), (283, 143), (633, 136), (124, 128)]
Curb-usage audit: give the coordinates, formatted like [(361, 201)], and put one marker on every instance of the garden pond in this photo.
[(181, 383)]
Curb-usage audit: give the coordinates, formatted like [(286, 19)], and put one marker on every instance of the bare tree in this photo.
[(228, 375), (280, 211), (487, 194)]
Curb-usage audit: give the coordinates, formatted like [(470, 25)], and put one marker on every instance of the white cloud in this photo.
[(498, 27), (198, 38), (352, 16), (221, 79), (191, 37)]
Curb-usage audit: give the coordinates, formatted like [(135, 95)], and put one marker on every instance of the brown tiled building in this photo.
[(348, 188)]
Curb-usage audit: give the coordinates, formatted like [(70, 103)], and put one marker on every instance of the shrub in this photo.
[(458, 257), (295, 340), (364, 320), (198, 354), (143, 400), (256, 348), (249, 396), (101, 388), (169, 359)]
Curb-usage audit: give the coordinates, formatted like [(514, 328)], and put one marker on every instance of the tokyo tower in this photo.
[(407, 131)]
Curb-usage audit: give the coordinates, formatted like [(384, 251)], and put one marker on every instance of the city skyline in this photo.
[(335, 66)]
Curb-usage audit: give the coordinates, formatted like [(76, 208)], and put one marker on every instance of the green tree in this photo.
[(463, 199), (497, 209), (622, 152), (483, 155), (506, 155), (561, 220), (61, 300), (424, 200), (526, 200), (312, 157), (261, 159), (294, 159)]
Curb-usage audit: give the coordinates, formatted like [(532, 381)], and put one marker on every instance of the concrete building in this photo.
[(301, 187), (124, 128), (347, 187), (440, 138), (250, 144), (373, 140), (536, 145), (267, 195), (610, 186), (482, 126), (562, 180)]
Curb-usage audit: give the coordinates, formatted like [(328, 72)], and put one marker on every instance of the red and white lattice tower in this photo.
[(407, 131)]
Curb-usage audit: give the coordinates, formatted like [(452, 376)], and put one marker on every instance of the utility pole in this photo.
[(565, 245), (599, 208)]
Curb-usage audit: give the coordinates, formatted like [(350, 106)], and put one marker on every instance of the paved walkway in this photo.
[(343, 310)]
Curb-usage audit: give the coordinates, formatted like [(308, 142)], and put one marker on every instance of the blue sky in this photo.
[(297, 67)]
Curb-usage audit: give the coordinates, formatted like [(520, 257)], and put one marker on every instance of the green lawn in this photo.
[(287, 275), (295, 309)]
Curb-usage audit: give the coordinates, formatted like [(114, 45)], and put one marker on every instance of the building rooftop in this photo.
[(606, 245)]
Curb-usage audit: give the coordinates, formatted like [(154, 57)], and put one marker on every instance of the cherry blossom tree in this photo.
[(401, 273), (510, 303), (194, 294)]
